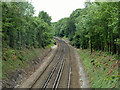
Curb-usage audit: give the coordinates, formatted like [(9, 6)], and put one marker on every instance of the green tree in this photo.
[(43, 15)]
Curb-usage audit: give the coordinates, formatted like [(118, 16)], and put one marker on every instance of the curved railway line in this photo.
[(57, 73), (59, 69)]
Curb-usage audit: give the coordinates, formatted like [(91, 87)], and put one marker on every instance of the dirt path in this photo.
[(83, 78)]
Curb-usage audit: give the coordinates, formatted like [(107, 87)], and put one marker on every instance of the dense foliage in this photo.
[(96, 27), (102, 69), (21, 29)]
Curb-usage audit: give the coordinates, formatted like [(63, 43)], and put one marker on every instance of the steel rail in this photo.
[(69, 72), (55, 85), (44, 69), (69, 69), (51, 73)]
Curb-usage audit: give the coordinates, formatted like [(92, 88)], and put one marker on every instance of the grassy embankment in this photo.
[(13, 60), (101, 67)]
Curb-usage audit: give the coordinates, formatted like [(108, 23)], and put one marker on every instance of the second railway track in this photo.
[(58, 70)]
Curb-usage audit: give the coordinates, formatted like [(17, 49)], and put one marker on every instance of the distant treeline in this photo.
[(21, 29), (96, 27)]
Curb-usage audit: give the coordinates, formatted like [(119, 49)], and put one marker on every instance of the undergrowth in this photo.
[(13, 60), (101, 67)]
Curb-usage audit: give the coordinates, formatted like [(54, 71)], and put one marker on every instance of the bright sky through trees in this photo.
[(57, 9)]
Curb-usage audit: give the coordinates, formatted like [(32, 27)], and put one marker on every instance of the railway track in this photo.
[(65, 77), (69, 72), (55, 85), (53, 75)]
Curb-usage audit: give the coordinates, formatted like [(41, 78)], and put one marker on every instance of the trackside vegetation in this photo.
[(95, 30), (96, 27), (21, 29), (101, 67), (23, 35)]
